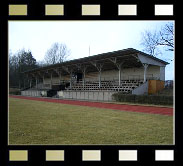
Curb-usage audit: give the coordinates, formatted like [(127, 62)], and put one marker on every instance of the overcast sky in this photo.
[(101, 36)]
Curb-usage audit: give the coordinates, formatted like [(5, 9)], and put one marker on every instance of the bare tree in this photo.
[(167, 37), (57, 53), (152, 41), (149, 41)]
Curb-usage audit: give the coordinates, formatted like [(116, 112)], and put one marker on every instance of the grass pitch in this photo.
[(35, 122)]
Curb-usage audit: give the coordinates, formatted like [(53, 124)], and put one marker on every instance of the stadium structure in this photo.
[(97, 77)]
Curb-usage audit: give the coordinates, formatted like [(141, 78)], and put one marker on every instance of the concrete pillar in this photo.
[(83, 78), (99, 68), (120, 77), (36, 82), (71, 79), (84, 74), (43, 78), (51, 80), (145, 71), (60, 76), (99, 74), (24, 83), (119, 67), (30, 83), (99, 78)]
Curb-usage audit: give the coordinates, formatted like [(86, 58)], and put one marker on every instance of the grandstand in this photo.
[(97, 77)]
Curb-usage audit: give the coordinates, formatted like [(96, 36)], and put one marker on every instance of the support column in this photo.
[(119, 76), (99, 68), (36, 82), (145, 71), (51, 80), (83, 78), (99, 78), (100, 72), (84, 74), (30, 83), (43, 79), (58, 71), (68, 70), (60, 76), (24, 83), (119, 67), (71, 79)]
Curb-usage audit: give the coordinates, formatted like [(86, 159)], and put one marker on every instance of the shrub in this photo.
[(143, 99), (14, 91), (121, 97)]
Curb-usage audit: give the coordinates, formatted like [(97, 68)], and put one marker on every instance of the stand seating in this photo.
[(126, 86)]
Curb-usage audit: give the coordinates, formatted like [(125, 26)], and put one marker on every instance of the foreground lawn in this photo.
[(35, 122)]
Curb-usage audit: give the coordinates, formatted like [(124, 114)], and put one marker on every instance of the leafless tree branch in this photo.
[(152, 40), (57, 53)]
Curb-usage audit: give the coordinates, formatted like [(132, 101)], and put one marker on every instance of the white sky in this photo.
[(101, 36)]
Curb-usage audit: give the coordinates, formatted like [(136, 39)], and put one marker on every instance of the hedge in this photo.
[(14, 91), (143, 99)]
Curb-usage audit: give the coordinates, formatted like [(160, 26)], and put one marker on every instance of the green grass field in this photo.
[(35, 122)]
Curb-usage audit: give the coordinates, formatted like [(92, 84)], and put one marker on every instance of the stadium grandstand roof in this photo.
[(128, 55)]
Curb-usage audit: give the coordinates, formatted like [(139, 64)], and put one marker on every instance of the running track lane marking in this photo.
[(122, 107)]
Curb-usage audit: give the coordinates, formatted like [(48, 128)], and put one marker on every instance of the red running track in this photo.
[(122, 107)]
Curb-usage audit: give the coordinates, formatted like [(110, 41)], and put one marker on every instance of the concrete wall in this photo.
[(149, 87), (131, 73), (31, 93), (142, 89), (162, 73), (34, 93), (84, 95)]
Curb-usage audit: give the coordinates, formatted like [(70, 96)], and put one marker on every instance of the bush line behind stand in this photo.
[(143, 99)]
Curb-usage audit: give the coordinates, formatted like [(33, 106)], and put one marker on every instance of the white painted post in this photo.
[(30, 83), (51, 81), (83, 79), (36, 82), (71, 79), (43, 78), (119, 67), (119, 76), (100, 72), (99, 68), (24, 83), (84, 73), (60, 76), (145, 71), (99, 78)]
